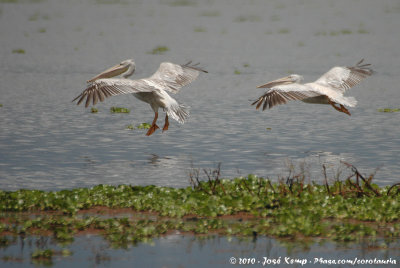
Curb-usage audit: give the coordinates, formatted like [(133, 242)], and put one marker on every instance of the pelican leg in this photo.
[(154, 126), (166, 124), (341, 109)]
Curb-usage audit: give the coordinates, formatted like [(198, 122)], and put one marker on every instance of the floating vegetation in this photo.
[(119, 110), (1, 105), (140, 126), (144, 126), (42, 254), (249, 18), (346, 31), (199, 30), (284, 31), (110, 2), (36, 16), (245, 65), (180, 3), (210, 14), (42, 30), (42, 257), (94, 110), (349, 210), (18, 51), (389, 110), (275, 18), (159, 50), (360, 30), (21, 1)]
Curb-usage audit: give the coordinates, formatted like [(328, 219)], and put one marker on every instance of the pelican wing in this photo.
[(174, 76), (343, 78), (104, 88), (283, 93)]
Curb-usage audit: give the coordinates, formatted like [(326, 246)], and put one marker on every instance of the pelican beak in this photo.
[(111, 72), (281, 81)]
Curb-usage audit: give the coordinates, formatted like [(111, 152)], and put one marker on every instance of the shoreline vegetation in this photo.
[(352, 210)]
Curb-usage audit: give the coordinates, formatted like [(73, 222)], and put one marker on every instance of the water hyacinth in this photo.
[(246, 206), (119, 110)]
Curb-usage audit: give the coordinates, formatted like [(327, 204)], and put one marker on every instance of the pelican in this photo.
[(328, 89), (153, 90)]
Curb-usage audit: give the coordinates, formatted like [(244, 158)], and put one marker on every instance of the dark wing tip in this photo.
[(363, 68), (194, 67)]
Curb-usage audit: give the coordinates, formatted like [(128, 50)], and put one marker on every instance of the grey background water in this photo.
[(47, 142)]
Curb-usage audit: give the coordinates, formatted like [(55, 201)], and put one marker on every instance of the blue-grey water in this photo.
[(48, 49)]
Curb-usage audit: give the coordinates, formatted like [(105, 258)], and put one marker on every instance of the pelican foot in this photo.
[(341, 109), (344, 110), (165, 128), (152, 129)]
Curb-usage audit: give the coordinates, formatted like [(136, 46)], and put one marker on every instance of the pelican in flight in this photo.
[(153, 90), (328, 89)]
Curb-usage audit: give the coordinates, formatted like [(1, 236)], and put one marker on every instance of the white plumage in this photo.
[(328, 89), (153, 90)]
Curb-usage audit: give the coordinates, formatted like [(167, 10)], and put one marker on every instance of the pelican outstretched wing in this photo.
[(283, 93), (104, 88), (174, 76), (343, 78)]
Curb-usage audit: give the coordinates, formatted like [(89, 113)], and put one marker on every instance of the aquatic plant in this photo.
[(210, 13), (94, 110), (143, 126), (247, 18), (349, 210), (284, 31), (18, 51), (139, 126), (180, 3), (199, 29), (119, 110), (158, 50), (110, 2), (389, 110), (42, 254)]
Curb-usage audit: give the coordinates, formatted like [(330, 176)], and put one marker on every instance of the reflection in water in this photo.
[(178, 250)]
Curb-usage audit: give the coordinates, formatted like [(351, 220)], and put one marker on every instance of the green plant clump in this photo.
[(119, 110), (159, 50), (346, 211), (143, 126), (389, 110), (18, 51)]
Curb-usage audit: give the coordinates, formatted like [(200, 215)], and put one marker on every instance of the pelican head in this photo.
[(127, 67), (293, 78)]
